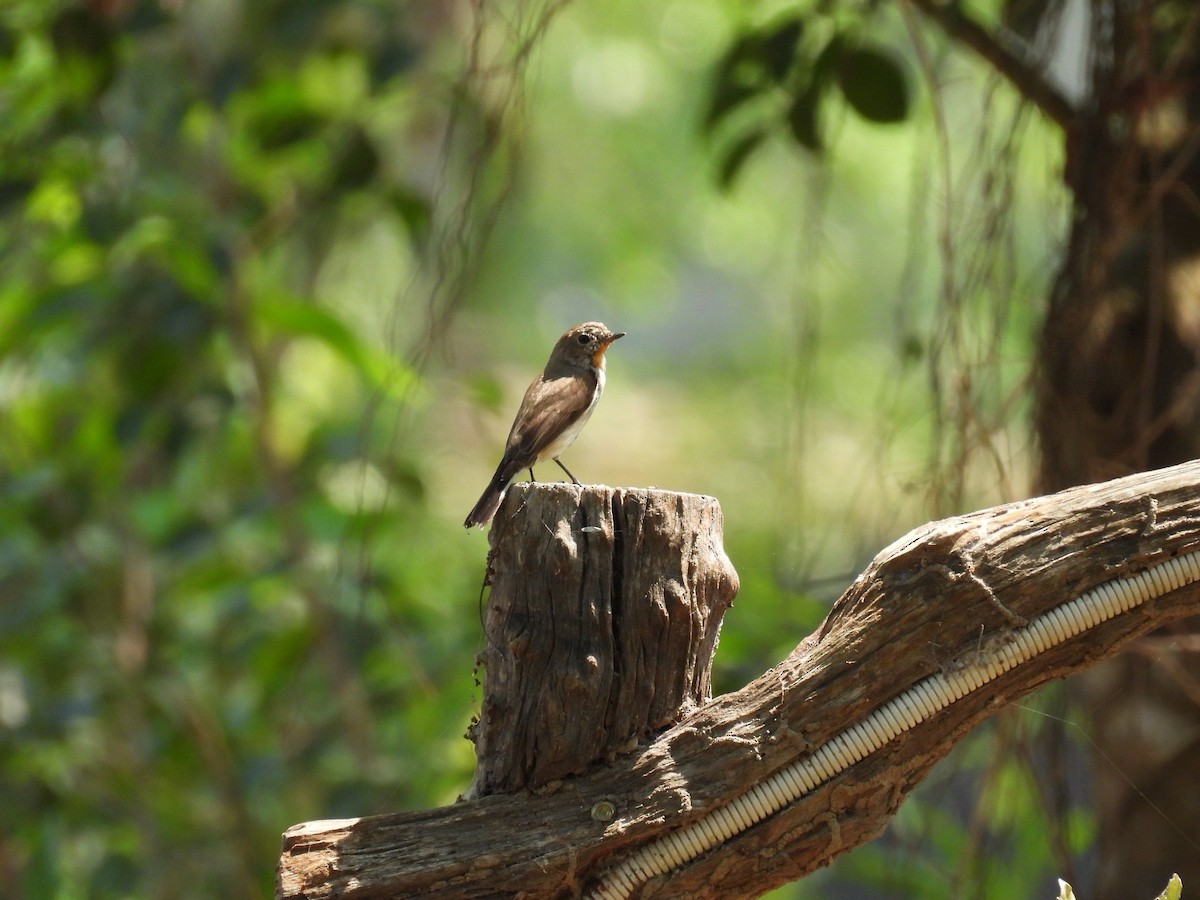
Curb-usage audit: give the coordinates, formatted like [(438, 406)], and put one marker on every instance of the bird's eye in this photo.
[(583, 338)]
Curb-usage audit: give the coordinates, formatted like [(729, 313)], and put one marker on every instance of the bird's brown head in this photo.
[(584, 345)]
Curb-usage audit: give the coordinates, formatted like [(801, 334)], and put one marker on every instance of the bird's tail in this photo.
[(483, 510)]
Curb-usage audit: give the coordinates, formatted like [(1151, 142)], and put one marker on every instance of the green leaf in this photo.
[(803, 114), (84, 45), (735, 157), (355, 161), (751, 65), (414, 209), (487, 391), (728, 94), (1173, 890), (309, 320), (802, 118), (778, 47), (826, 66), (875, 84), (279, 115)]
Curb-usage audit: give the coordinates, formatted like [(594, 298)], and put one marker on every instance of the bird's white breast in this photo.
[(567, 438)]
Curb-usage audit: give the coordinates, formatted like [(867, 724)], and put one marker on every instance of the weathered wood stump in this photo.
[(942, 596), (601, 626)]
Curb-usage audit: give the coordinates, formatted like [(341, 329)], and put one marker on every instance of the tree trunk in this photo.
[(1119, 392), (601, 626), (1118, 373)]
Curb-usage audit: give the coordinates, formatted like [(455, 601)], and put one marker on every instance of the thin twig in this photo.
[(1026, 78)]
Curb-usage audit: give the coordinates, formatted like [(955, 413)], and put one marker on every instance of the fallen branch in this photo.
[(929, 604)]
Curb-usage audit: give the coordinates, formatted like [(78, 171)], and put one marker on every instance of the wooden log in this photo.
[(945, 590), (601, 625)]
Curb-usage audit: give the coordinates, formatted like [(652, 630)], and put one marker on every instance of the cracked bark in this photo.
[(602, 621), (918, 607)]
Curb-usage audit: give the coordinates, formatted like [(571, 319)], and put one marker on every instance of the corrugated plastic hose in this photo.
[(917, 704)]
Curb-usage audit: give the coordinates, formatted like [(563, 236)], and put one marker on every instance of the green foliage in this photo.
[(233, 591), (874, 84), (197, 646), (1173, 890), (779, 77)]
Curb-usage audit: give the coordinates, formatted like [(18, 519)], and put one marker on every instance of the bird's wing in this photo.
[(550, 406)]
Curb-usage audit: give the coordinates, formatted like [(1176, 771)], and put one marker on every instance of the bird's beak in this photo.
[(612, 337)]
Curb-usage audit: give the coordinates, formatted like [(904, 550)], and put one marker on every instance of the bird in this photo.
[(554, 410)]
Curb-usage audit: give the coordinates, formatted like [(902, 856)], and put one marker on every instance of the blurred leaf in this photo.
[(8, 42), (778, 46), (487, 391), (165, 576), (280, 115), (14, 189), (802, 118), (803, 115), (727, 95), (393, 58), (309, 320), (415, 210), (751, 65), (407, 478), (874, 83), (355, 162), (143, 17), (84, 45), (737, 154), (232, 77), (80, 31), (154, 513), (829, 59)]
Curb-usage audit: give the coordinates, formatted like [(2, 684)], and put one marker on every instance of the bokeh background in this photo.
[(273, 278)]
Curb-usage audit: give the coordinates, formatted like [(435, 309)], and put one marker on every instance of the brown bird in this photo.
[(555, 408)]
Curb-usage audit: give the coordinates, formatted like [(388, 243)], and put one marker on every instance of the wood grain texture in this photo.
[(935, 595), (602, 620)]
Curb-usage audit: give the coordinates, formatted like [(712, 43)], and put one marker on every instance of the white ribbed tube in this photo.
[(923, 700)]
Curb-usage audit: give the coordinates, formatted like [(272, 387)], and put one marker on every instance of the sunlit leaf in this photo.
[(1173, 890), (310, 320)]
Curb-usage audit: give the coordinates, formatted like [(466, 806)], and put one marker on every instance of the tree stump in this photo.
[(600, 629)]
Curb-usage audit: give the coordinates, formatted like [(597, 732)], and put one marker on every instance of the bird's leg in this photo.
[(574, 480), (531, 478)]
